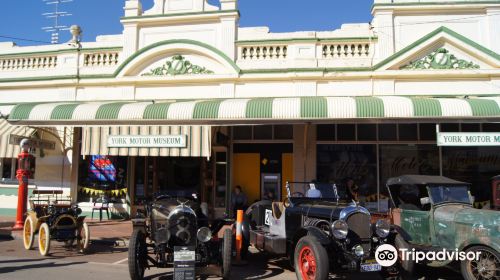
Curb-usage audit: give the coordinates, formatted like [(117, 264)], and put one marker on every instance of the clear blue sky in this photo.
[(23, 18)]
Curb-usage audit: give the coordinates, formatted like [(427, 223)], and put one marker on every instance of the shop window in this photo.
[(325, 132), (367, 132), (397, 160), (7, 168), (449, 127), (387, 132), (337, 163), (408, 132), (427, 131), (346, 132), (283, 132), (263, 132), (491, 127), (470, 127), (242, 133), (102, 177), (474, 165)]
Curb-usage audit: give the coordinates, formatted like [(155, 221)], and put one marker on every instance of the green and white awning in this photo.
[(7, 149), (256, 110)]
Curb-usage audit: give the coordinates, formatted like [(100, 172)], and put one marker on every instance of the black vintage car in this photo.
[(176, 220), (318, 231)]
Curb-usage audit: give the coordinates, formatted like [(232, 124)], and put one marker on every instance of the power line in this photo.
[(23, 39)]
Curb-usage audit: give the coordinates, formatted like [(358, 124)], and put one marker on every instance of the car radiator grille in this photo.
[(360, 224)]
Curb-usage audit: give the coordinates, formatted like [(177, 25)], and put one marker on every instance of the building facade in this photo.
[(185, 99)]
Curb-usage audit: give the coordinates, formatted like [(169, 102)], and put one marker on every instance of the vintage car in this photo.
[(436, 213), (54, 218), (175, 220), (318, 232)]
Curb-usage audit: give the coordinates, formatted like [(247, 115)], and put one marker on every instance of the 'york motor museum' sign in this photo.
[(150, 141), (468, 139)]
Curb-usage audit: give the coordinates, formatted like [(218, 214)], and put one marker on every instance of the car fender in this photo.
[(245, 230), (322, 237), (487, 241)]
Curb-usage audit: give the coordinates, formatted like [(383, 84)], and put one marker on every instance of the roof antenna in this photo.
[(55, 15)]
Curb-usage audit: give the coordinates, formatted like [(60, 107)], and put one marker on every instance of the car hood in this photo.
[(321, 209), (479, 220)]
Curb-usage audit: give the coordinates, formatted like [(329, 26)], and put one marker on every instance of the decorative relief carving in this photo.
[(178, 65), (440, 59)]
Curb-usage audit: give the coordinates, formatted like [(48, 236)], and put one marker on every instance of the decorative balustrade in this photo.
[(101, 59), (346, 50), (263, 52), (28, 63)]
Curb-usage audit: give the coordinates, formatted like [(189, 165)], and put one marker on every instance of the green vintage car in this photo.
[(433, 213)]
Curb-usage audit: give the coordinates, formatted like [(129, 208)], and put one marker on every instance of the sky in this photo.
[(24, 19)]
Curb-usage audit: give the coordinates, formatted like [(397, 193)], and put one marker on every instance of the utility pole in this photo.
[(55, 16)]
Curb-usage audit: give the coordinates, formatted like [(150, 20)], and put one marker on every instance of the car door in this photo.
[(417, 224)]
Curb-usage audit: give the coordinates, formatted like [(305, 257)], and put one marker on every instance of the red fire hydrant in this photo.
[(23, 173)]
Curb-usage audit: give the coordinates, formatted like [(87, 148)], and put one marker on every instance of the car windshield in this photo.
[(441, 194), (313, 190)]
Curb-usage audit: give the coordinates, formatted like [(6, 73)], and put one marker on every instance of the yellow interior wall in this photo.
[(246, 173), (287, 172)]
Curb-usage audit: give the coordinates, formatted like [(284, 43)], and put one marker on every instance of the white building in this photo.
[(242, 106)]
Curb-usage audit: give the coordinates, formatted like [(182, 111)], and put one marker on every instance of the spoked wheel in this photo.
[(44, 239), (486, 267), (311, 260), (137, 255), (83, 238), (227, 254), (29, 233)]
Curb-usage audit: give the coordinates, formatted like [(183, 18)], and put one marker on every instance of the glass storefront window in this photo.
[(242, 133), (397, 160), (220, 179), (337, 163), (408, 132), (367, 132), (427, 131), (346, 132), (475, 165), (325, 132), (283, 132), (387, 132), (263, 132)]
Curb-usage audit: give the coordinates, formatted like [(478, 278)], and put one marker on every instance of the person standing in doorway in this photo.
[(238, 200)]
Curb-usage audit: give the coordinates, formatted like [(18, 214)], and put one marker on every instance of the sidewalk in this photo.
[(114, 232)]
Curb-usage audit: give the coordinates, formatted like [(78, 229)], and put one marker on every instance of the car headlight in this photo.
[(340, 229), (382, 228), (358, 251), (204, 234)]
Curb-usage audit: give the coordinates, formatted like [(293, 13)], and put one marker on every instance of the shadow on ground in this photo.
[(10, 269)]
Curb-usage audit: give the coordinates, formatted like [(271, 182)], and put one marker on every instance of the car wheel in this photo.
[(227, 254), (311, 260), (485, 268), (28, 233), (44, 239), (137, 255), (83, 238)]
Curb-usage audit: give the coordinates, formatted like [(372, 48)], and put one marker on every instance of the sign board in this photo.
[(184, 263), (468, 139), (35, 143), (148, 141)]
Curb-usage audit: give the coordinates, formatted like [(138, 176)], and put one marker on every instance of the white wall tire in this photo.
[(44, 239), (83, 238), (28, 233)]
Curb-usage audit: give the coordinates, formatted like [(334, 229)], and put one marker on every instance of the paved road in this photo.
[(107, 261)]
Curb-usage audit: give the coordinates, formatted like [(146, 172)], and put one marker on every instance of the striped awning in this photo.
[(255, 110), (8, 150), (198, 141)]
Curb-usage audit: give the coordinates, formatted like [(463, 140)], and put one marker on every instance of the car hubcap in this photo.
[(307, 263), (487, 267)]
